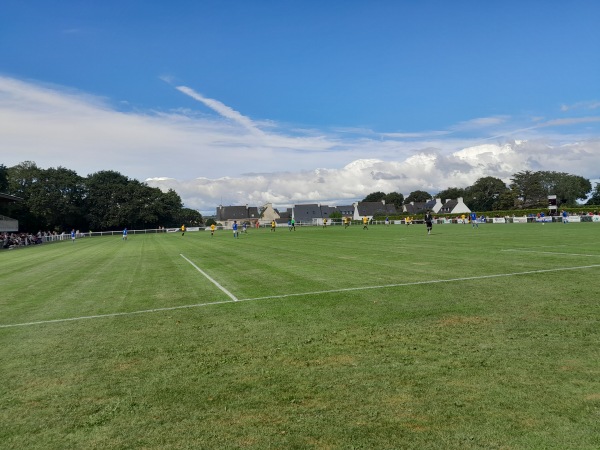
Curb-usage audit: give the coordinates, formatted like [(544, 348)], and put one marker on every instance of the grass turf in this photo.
[(386, 338)]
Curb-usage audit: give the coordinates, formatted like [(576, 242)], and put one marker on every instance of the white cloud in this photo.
[(591, 104), (228, 158)]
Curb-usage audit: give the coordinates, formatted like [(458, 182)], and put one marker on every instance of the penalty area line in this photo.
[(299, 294), (212, 280)]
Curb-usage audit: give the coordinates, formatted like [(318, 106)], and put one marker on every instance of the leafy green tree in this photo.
[(107, 197), (485, 194), (396, 199), (567, 188), (3, 178), (595, 198), (374, 197), (190, 217), (169, 206), (57, 198), (507, 200), (451, 193), (22, 180), (529, 189), (335, 215), (115, 201), (418, 196)]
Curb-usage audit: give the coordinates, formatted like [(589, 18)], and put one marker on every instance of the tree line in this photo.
[(527, 190), (58, 199)]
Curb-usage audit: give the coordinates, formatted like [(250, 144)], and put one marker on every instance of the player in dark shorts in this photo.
[(429, 221)]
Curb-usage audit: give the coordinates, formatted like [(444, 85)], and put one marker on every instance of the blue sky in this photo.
[(286, 102)]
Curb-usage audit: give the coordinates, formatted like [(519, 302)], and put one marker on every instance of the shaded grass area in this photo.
[(506, 362)]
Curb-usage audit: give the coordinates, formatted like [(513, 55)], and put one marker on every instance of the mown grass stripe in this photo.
[(297, 294)]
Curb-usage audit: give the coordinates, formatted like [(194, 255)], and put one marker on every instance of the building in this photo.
[(227, 214), (268, 214), (8, 224), (371, 209), (454, 207), (307, 214)]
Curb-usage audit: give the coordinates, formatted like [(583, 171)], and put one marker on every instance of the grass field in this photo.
[(319, 338)]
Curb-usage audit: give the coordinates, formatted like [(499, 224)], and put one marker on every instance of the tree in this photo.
[(485, 194), (21, 181), (57, 199), (567, 188), (170, 205), (374, 197), (107, 193), (595, 198), (418, 197), (335, 215), (3, 178), (396, 199), (115, 201), (451, 193), (529, 188), (533, 188), (507, 200), (190, 216)]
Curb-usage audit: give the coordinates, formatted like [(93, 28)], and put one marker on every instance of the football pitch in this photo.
[(335, 338)]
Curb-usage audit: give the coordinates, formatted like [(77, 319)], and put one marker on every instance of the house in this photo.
[(454, 207), (268, 214), (326, 211), (412, 208), (307, 214), (227, 214), (371, 209), (434, 205), (346, 210)]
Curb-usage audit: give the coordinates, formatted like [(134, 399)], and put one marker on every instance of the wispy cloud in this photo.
[(587, 105), (222, 109), (480, 123)]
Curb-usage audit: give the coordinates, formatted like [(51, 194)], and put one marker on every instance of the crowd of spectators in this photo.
[(14, 240)]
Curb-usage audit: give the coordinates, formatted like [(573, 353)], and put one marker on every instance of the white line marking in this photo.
[(547, 253), (102, 316), (299, 294), (413, 283), (229, 294)]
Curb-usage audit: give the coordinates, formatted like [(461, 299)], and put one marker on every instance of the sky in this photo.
[(286, 102)]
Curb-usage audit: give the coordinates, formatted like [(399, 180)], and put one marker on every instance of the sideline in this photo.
[(299, 294)]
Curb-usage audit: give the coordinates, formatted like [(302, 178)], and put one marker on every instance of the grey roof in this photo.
[(346, 209), (327, 210), (416, 207), (237, 212), (375, 208), (449, 206), (430, 204), (303, 213)]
